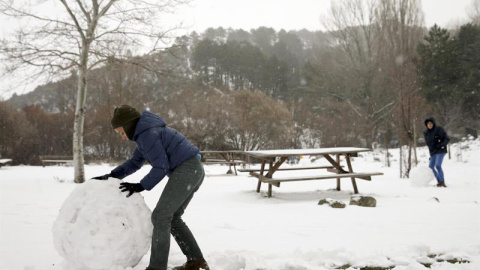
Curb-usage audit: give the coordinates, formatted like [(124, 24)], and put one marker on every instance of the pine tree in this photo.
[(449, 69), (440, 73), (468, 45)]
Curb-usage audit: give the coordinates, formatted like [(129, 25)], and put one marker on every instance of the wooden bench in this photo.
[(276, 181), (227, 157), (239, 162), (223, 161), (56, 159), (4, 161)]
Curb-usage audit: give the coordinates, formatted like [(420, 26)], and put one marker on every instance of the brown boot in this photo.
[(197, 264)]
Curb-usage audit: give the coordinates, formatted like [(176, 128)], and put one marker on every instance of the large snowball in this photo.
[(99, 228), (421, 176)]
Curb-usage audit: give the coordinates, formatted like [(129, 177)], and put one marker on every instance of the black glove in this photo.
[(102, 177), (131, 188), (106, 176)]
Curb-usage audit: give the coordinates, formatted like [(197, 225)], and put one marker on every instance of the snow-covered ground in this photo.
[(238, 228)]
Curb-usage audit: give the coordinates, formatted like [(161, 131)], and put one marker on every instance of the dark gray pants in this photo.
[(167, 215)]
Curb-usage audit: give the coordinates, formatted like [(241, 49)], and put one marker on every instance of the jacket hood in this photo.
[(148, 120), (430, 119)]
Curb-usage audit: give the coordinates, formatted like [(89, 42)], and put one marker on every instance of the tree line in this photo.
[(360, 83)]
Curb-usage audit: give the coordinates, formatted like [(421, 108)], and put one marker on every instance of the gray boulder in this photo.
[(365, 201), (332, 203)]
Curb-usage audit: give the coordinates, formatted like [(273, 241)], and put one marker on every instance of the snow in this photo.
[(317, 151), (5, 160), (238, 228), (356, 198), (99, 228)]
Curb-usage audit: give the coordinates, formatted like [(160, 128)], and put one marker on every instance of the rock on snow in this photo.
[(99, 228), (365, 201)]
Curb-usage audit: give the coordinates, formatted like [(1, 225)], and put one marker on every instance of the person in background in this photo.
[(437, 140), (169, 153)]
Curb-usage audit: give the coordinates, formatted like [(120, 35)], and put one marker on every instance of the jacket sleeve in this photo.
[(445, 138), (160, 165), (130, 166)]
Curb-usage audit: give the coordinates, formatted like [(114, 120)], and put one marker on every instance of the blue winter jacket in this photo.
[(435, 138), (163, 147)]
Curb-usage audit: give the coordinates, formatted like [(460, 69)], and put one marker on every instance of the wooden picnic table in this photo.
[(4, 161), (275, 159), (56, 160), (226, 157)]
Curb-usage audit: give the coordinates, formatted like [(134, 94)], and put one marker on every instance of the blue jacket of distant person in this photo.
[(163, 147), (435, 138)]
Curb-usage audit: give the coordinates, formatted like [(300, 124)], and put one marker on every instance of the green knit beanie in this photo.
[(123, 115)]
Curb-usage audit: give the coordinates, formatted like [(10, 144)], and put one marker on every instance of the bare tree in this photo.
[(401, 22), (356, 32), (474, 11), (378, 40), (84, 35), (258, 122)]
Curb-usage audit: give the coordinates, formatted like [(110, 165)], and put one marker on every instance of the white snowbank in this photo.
[(99, 228)]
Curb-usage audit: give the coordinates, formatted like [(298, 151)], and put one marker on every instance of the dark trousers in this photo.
[(167, 215)]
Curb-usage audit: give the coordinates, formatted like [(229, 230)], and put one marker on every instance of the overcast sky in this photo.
[(278, 14), (294, 14)]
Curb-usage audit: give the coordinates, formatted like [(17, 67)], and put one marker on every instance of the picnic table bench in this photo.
[(227, 157), (56, 159), (4, 161), (275, 158)]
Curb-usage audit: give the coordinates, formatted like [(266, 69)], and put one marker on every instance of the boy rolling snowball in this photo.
[(169, 153)]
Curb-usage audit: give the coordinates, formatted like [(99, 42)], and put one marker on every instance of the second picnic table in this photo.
[(275, 158), (226, 157)]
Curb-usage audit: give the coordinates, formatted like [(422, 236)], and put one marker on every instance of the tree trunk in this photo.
[(78, 159), (401, 161), (387, 158), (415, 143), (409, 161)]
